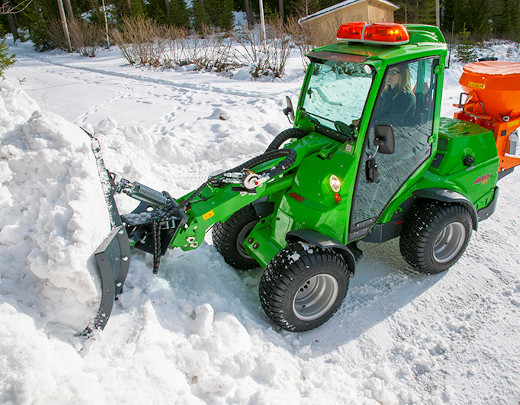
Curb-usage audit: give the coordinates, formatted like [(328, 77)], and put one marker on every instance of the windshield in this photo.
[(337, 92)]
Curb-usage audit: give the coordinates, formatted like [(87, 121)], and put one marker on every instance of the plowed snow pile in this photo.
[(51, 211)]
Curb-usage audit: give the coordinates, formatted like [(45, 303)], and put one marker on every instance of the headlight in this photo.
[(335, 184)]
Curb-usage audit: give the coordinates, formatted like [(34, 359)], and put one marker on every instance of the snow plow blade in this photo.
[(113, 260), (113, 255)]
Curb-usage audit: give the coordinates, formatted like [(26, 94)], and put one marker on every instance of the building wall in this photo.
[(324, 29), (378, 12)]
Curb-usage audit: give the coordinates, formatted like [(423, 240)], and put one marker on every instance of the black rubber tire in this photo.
[(229, 236), (435, 235), (310, 272)]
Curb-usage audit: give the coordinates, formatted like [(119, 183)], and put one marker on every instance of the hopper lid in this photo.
[(493, 68)]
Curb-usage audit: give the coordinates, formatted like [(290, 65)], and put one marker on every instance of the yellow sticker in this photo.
[(208, 215), (474, 85), (514, 123)]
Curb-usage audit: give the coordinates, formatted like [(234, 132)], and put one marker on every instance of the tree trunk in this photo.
[(438, 13), (167, 7), (12, 25), (6, 5), (262, 22), (68, 8), (64, 25), (280, 6), (249, 15), (106, 24)]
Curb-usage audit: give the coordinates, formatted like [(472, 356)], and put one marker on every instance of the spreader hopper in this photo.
[(493, 101)]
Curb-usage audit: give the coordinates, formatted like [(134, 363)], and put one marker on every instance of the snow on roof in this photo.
[(338, 6)]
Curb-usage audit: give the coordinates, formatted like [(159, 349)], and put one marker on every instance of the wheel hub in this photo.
[(315, 297), (242, 237), (449, 242)]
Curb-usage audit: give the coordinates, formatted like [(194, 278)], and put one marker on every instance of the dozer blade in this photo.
[(112, 258), (113, 255)]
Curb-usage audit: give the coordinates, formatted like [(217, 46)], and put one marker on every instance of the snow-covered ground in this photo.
[(195, 333)]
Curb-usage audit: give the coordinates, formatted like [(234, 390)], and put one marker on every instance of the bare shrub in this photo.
[(174, 52), (215, 52), (278, 47), (141, 41), (267, 58), (86, 38), (54, 33), (301, 37)]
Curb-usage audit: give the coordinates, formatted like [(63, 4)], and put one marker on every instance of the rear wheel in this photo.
[(435, 236), (302, 288), (229, 238)]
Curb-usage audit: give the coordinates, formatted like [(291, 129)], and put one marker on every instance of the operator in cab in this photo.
[(396, 105)]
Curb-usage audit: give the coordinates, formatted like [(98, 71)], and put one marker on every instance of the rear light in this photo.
[(377, 33)]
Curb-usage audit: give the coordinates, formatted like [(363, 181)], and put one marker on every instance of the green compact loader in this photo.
[(343, 173)]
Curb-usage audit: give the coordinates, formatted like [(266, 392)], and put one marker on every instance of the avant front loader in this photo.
[(340, 175)]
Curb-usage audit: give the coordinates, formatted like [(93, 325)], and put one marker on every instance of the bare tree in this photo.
[(8, 8), (249, 14), (438, 13), (306, 7), (64, 25), (68, 8), (280, 6)]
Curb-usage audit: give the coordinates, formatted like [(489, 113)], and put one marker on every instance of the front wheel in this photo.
[(435, 236), (229, 238), (302, 287)]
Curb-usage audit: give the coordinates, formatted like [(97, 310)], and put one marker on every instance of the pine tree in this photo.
[(466, 48), (212, 13), (478, 16), (179, 14), (6, 60), (200, 16)]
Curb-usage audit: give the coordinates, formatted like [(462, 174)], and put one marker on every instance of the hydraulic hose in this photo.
[(285, 136), (272, 152), (290, 158)]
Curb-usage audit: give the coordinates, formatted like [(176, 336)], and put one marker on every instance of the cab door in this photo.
[(411, 133)]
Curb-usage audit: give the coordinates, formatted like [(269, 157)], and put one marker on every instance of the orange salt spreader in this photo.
[(492, 90)]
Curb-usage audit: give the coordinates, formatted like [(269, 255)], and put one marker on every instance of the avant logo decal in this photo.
[(482, 179)]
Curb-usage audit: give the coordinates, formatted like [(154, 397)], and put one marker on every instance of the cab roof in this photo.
[(424, 40)]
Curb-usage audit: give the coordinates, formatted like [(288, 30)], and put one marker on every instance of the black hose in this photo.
[(283, 136), (272, 152), (290, 158)]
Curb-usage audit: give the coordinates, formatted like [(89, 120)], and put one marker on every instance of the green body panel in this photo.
[(477, 182), (218, 204), (302, 197), (457, 141)]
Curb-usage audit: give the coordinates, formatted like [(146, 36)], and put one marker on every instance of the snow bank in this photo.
[(52, 211)]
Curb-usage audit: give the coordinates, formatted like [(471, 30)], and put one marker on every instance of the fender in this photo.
[(448, 196), (325, 242)]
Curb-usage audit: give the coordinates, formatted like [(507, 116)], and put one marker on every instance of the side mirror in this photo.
[(384, 139), (289, 110)]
